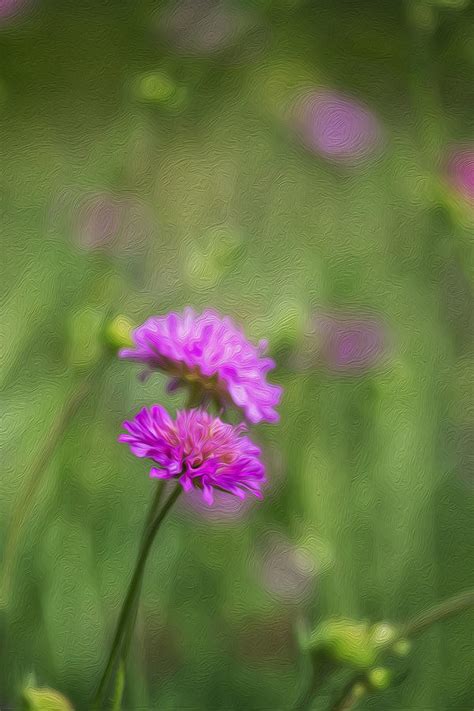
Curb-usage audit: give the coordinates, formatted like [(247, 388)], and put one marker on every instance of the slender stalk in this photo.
[(418, 624), (438, 613), (350, 694), (128, 632), (119, 687), (319, 675), (36, 472), (133, 591)]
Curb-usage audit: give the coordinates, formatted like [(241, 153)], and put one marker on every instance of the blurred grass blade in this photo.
[(34, 475)]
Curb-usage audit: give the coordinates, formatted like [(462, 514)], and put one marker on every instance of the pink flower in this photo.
[(209, 352), (461, 171), (286, 571), (198, 450), (10, 8), (198, 27), (351, 344), (337, 126)]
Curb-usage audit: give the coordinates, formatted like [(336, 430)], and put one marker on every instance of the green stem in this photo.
[(352, 692), (152, 513), (132, 593), (119, 687), (438, 613), (319, 675)]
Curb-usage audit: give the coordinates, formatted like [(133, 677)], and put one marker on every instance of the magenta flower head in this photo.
[(198, 450), (337, 127), (208, 352)]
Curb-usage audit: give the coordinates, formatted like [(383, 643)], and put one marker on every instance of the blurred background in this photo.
[(308, 168)]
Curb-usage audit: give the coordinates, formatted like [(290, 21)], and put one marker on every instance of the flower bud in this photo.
[(382, 634), (44, 700), (117, 333), (402, 648), (379, 678), (346, 642), (359, 691), (159, 88)]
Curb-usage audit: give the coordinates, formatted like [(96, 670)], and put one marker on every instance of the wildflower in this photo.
[(461, 172), (209, 353), (286, 571), (199, 450), (10, 8), (100, 218), (337, 126), (351, 344), (200, 27)]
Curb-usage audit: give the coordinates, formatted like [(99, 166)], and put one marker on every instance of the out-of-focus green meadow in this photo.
[(138, 177)]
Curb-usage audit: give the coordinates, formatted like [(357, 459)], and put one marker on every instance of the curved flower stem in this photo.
[(152, 513), (351, 693), (128, 606), (78, 394), (128, 632), (319, 674), (438, 613)]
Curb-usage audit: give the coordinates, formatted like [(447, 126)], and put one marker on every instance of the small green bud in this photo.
[(155, 86), (402, 648), (117, 333), (346, 642), (44, 700), (379, 678), (382, 633), (359, 691), (159, 88)]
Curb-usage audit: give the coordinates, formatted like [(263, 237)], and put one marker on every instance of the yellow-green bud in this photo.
[(382, 633), (359, 690), (45, 700), (117, 333), (379, 678), (346, 642), (159, 88), (402, 648)]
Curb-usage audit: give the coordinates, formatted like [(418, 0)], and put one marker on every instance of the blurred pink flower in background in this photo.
[(286, 571), (99, 220), (337, 126), (202, 26), (11, 8), (351, 343), (460, 170), (107, 221)]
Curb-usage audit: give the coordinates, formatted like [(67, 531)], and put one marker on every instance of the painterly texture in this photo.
[(152, 159)]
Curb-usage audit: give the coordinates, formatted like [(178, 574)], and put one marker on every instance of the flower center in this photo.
[(195, 462)]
